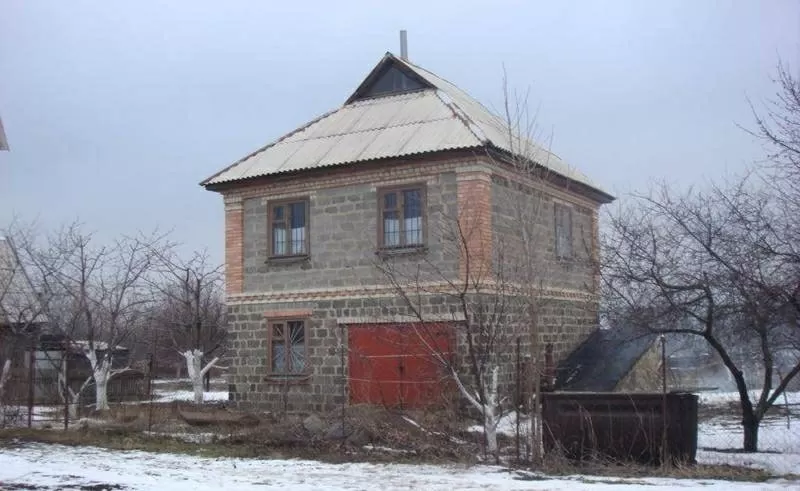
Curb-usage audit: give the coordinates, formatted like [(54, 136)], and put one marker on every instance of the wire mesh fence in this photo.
[(720, 437), (151, 399)]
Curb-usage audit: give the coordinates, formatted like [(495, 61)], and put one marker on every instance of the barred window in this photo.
[(287, 347)]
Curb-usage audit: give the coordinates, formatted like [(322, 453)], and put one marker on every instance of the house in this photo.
[(307, 216)]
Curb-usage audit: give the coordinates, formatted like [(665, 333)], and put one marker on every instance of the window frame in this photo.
[(286, 375), (557, 209), (381, 194), (287, 202)]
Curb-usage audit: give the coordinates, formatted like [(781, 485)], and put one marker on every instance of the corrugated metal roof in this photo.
[(440, 118), (495, 129)]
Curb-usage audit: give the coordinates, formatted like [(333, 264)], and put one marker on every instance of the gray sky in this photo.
[(115, 111)]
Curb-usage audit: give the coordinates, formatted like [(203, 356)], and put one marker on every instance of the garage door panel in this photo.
[(393, 365)]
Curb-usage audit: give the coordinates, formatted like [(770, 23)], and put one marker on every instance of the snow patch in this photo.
[(63, 467)]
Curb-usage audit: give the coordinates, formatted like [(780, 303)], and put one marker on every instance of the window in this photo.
[(402, 223), (563, 230), (287, 351), (393, 80), (288, 228)]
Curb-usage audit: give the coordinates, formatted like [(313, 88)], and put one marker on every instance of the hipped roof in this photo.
[(436, 118)]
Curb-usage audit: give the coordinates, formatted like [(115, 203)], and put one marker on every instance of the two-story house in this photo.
[(307, 217)]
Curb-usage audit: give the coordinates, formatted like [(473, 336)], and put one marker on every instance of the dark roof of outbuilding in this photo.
[(603, 360)]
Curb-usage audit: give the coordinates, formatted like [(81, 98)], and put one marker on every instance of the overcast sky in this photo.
[(115, 111)]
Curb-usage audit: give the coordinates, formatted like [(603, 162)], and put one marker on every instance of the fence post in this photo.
[(343, 379), (31, 381), (150, 393), (66, 388), (664, 442), (518, 397)]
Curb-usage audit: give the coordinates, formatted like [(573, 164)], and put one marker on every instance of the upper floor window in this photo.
[(288, 228), (401, 216), (563, 230)]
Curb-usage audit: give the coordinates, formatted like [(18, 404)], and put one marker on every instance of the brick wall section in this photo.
[(234, 258), (342, 236), (475, 224), (335, 282), (524, 236)]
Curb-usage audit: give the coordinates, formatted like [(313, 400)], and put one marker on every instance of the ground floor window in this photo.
[(287, 347)]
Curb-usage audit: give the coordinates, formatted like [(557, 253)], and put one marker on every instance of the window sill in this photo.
[(287, 259), (401, 251), (292, 379)]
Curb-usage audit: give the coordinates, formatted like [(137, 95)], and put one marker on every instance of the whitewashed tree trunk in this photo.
[(490, 430), (490, 411), (72, 397), (491, 415), (4, 375), (194, 360), (102, 373)]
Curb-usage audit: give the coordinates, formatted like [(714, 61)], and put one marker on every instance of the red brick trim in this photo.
[(475, 224), (234, 255)]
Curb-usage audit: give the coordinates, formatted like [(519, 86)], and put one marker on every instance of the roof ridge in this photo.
[(459, 113)]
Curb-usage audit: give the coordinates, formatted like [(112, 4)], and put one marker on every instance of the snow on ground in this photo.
[(722, 397), (506, 426), (59, 467), (778, 437), (188, 395)]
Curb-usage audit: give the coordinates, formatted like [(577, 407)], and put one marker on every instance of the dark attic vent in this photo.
[(392, 81)]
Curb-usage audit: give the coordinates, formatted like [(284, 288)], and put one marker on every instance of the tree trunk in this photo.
[(490, 430), (197, 372), (193, 368), (101, 372), (3, 379), (6, 372), (101, 376), (750, 425)]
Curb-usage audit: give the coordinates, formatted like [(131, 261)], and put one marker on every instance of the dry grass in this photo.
[(439, 438), (557, 465)]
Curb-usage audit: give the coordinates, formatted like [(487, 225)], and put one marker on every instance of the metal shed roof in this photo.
[(439, 118)]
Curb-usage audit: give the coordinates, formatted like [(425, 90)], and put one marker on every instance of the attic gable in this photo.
[(387, 78)]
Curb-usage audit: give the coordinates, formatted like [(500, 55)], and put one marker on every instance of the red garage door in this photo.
[(391, 365)]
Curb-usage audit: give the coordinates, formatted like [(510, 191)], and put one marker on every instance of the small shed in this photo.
[(612, 360)]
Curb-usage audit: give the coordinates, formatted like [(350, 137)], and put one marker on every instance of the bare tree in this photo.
[(508, 268), (99, 296), (191, 313), (21, 312), (712, 264)]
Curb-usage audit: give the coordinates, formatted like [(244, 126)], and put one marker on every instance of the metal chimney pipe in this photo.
[(403, 45)]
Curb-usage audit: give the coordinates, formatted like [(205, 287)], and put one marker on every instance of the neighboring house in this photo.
[(49, 362), (21, 319), (307, 216), (3, 140)]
